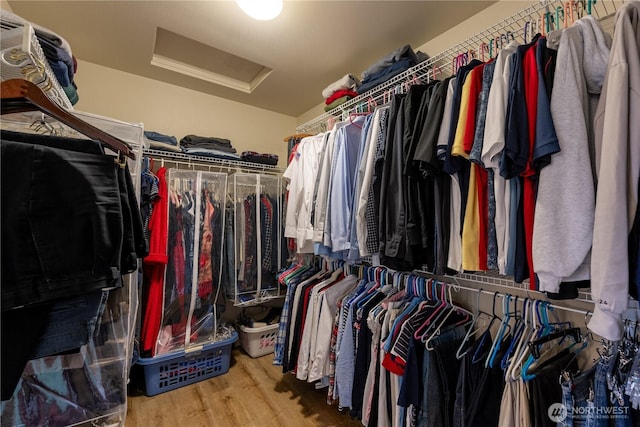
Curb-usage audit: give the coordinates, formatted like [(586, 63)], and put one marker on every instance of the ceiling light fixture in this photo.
[(262, 10)]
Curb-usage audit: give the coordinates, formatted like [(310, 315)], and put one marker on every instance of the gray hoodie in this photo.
[(617, 144), (563, 222)]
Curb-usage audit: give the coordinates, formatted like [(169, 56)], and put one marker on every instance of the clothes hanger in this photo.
[(534, 346), (463, 349), (477, 356), (579, 7), (568, 13), (543, 315), (557, 352), (425, 327), (20, 95), (442, 311), (531, 328), (519, 329), (559, 11), (503, 330), (435, 70), (464, 317)]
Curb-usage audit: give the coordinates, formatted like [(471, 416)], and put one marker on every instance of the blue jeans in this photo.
[(71, 323), (578, 398), (439, 394), (612, 406)]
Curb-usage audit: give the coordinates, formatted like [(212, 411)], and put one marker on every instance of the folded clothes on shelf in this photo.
[(339, 94), (208, 142), (348, 81), (265, 159), (385, 74), (337, 102), (159, 141), (396, 56), (208, 152), (391, 65), (160, 137)]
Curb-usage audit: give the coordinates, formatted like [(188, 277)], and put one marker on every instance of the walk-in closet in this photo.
[(313, 213)]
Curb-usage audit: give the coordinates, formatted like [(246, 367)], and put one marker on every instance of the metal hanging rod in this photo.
[(503, 295), (512, 27), (453, 281)]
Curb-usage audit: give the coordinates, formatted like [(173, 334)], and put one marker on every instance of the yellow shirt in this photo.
[(457, 149)]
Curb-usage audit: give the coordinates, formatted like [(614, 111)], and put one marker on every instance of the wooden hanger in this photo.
[(297, 136), (20, 95)]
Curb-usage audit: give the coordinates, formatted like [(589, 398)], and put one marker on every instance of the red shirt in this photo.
[(530, 75), (339, 94), (483, 210), (154, 266)]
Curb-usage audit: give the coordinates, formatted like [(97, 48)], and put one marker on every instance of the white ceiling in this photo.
[(311, 44)]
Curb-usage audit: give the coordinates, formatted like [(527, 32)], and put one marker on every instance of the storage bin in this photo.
[(258, 341), (171, 371)]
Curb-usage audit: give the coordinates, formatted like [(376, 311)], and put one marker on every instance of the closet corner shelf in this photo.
[(210, 161)]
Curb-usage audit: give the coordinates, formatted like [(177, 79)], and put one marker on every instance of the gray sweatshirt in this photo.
[(563, 222), (617, 148)]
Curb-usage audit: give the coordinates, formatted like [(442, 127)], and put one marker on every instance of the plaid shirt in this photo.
[(284, 325)]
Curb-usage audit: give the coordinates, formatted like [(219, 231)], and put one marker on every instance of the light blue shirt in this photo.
[(342, 183)]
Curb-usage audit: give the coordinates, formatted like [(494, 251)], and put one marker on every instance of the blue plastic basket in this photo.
[(175, 370)]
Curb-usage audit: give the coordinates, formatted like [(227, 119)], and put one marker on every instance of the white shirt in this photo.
[(310, 328), (328, 303), (497, 109), (493, 145), (301, 173)]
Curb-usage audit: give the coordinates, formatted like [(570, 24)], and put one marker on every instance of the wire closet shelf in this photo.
[(193, 161), (540, 17)]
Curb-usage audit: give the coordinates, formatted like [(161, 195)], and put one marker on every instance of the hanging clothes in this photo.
[(194, 251), (617, 161)]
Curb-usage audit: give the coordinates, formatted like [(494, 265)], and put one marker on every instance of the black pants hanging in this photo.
[(63, 230)]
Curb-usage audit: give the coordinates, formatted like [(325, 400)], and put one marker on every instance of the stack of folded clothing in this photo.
[(391, 65), (340, 91), (208, 147), (56, 50), (159, 141), (263, 159)]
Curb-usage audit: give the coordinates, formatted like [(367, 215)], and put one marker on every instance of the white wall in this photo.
[(177, 111)]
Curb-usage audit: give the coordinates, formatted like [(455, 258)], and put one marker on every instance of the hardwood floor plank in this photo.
[(252, 393)]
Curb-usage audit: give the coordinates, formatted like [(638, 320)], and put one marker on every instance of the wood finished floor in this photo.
[(252, 393)]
